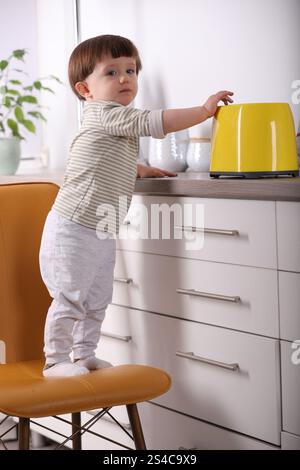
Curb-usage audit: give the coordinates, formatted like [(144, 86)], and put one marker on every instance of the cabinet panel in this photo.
[(290, 441), (246, 400), (166, 429), (290, 369), (236, 231), (237, 297), (289, 305), (288, 232)]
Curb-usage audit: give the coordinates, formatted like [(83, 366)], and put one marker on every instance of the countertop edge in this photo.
[(195, 185)]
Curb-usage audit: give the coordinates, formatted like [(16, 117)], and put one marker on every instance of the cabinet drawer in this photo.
[(288, 229), (237, 297), (235, 231), (166, 429), (290, 441), (290, 370), (289, 305), (244, 400)]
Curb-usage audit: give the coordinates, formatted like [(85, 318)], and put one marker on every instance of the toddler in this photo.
[(77, 254)]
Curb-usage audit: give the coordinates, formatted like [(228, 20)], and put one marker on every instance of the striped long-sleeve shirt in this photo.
[(101, 168)]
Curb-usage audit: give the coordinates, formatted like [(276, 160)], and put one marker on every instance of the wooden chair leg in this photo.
[(136, 427), (23, 433), (76, 424)]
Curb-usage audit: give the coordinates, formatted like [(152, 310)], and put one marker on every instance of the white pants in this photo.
[(77, 268)]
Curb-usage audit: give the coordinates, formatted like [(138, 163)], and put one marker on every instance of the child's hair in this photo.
[(88, 53)]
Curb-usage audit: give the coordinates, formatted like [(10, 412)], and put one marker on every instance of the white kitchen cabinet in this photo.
[(166, 429), (289, 305), (236, 231), (219, 375), (290, 367), (238, 259), (288, 232), (238, 297), (290, 441)]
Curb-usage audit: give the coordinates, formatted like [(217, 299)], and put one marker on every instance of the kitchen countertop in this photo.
[(197, 185)]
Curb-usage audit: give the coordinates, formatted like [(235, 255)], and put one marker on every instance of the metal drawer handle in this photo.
[(124, 280), (126, 339), (191, 355), (209, 295), (214, 231), (126, 222)]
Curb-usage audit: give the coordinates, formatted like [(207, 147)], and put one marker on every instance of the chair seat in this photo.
[(24, 392)]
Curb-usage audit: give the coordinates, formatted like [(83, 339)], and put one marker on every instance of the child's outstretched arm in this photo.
[(178, 119)]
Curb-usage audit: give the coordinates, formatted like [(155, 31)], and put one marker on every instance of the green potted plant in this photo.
[(19, 108)]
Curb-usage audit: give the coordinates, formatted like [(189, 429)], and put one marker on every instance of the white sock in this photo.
[(93, 363), (64, 369)]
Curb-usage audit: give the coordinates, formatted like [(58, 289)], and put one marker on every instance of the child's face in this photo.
[(111, 80)]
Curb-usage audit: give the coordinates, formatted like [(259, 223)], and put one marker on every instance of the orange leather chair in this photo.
[(24, 301)]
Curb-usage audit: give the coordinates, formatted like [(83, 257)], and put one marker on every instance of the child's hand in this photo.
[(152, 172), (211, 104)]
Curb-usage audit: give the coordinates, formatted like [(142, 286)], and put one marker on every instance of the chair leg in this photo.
[(136, 427), (76, 424), (23, 433)]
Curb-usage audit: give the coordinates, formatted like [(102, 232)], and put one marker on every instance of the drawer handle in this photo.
[(214, 231), (126, 222), (208, 295), (126, 339), (191, 355), (124, 280)]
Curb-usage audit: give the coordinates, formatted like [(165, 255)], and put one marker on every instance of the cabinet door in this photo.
[(236, 297), (221, 376), (289, 305), (290, 441), (166, 429), (288, 235), (290, 369), (235, 231)]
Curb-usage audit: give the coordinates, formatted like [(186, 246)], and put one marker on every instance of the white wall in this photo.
[(56, 40), (192, 48), (18, 30), (189, 48)]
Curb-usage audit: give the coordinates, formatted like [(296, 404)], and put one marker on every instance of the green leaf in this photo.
[(3, 64), (28, 99), (47, 89), (3, 89), (37, 115), (13, 126), (37, 85), (56, 78), (19, 114), (15, 82), (19, 54), (7, 102), (12, 92), (29, 125), (29, 88)]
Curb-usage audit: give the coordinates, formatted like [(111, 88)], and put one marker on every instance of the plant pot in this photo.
[(10, 151)]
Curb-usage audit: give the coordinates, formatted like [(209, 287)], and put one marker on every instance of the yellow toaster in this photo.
[(254, 140)]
